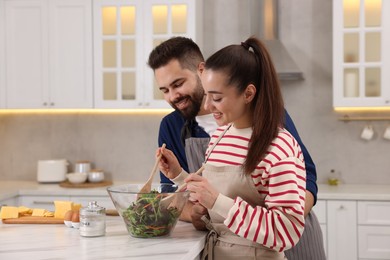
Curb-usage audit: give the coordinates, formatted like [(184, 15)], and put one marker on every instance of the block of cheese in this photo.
[(38, 212), (9, 212), (24, 210), (48, 214), (61, 207)]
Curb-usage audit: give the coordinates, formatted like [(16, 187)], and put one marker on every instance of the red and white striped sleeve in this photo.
[(281, 180)]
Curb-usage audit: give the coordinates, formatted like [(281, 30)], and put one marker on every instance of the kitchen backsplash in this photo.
[(124, 145)]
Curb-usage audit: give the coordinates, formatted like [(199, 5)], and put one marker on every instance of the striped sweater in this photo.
[(280, 179)]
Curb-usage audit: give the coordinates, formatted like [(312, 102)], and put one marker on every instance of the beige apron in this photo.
[(221, 243)]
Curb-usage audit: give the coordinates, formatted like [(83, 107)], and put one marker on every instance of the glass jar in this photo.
[(92, 220)]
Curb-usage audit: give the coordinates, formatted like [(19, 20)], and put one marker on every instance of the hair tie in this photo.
[(245, 45)]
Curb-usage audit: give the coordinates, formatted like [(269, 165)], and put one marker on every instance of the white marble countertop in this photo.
[(56, 241), (60, 242), (9, 189), (354, 192)]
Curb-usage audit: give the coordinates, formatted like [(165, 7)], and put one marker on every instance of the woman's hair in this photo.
[(250, 63), (185, 50)]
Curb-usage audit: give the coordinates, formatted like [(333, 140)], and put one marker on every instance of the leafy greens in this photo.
[(145, 218)]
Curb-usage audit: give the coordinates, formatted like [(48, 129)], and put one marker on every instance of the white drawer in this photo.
[(374, 213), (42, 202), (374, 242), (320, 211), (102, 201)]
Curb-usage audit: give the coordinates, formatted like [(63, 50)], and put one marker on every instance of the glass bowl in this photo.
[(148, 214)]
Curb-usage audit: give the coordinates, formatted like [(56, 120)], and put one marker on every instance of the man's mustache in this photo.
[(178, 100)]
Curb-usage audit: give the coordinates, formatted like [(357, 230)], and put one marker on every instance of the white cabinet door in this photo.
[(70, 53), (9, 202), (102, 201), (26, 59), (125, 32), (374, 229), (342, 233), (320, 212), (2, 54), (361, 58), (48, 59)]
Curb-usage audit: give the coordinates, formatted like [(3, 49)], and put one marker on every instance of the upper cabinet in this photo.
[(361, 57), (125, 32), (47, 50)]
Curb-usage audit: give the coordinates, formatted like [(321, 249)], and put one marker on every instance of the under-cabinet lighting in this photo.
[(87, 111), (361, 109)]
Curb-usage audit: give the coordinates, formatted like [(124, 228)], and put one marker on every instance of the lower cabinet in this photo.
[(9, 202), (355, 230), (374, 229), (47, 202), (42, 202), (102, 201), (342, 229)]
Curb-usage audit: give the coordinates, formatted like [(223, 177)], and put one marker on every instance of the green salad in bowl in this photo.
[(148, 214)]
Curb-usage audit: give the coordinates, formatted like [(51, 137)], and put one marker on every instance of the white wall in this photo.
[(124, 145)]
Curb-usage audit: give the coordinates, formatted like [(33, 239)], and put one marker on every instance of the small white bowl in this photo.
[(77, 177), (95, 175)]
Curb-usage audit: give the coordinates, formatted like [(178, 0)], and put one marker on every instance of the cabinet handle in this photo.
[(51, 104), (341, 207), (43, 202), (44, 103)]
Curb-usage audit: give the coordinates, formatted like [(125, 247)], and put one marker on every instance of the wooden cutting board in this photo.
[(33, 220), (67, 184)]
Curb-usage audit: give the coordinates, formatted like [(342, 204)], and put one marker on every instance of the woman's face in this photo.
[(224, 101)]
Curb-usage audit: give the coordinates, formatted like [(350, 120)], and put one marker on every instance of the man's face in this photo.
[(181, 88)]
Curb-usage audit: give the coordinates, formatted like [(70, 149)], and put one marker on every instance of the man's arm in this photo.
[(311, 173)]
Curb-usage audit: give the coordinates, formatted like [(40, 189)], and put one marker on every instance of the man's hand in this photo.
[(309, 202), (196, 213)]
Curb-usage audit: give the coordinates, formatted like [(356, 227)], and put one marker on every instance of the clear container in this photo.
[(92, 220)]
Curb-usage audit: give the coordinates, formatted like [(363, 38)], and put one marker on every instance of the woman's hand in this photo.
[(201, 190), (169, 165), (197, 212)]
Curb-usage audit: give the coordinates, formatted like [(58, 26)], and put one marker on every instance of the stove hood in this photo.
[(264, 25)]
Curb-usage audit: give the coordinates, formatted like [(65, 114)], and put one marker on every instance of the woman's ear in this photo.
[(200, 68), (249, 93)]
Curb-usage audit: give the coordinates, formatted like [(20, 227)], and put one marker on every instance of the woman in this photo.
[(254, 179)]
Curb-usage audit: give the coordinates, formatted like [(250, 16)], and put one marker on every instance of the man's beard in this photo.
[(195, 102)]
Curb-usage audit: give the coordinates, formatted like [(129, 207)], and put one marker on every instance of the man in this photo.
[(186, 132)]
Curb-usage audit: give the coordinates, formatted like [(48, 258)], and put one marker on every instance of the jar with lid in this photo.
[(92, 220)]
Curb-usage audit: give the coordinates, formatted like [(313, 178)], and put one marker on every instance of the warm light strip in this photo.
[(361, 109), (87, 111), (361, 118)]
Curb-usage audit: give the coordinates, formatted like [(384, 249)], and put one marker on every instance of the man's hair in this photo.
[(185, 50)]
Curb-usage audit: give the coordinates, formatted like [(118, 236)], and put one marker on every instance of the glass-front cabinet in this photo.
[(361, 57), (125, 32)]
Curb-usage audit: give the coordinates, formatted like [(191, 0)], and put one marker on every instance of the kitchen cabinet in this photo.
[(42, 202), (342, 230), (48, 57), (102, 201), (355, 229), (9, 202), (125, 32), (374, 229), (47, 202), (320, 211), (361, 60)]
